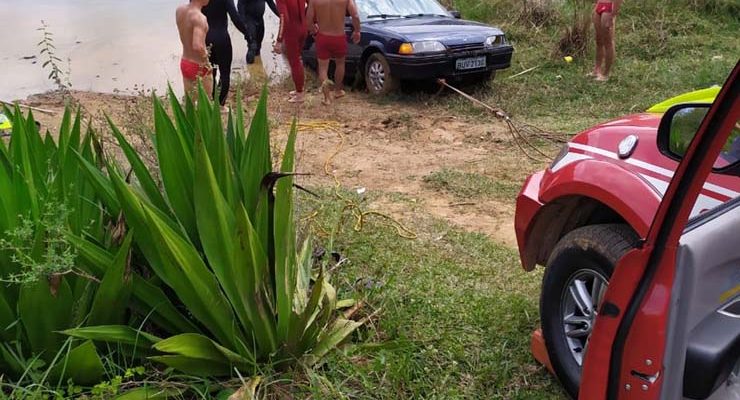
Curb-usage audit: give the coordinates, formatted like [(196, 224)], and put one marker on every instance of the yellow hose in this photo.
[(350, 205)]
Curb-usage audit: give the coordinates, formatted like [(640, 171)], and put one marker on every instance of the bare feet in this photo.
[(326, 87), (601, 78), (297, 97), (338, 94)]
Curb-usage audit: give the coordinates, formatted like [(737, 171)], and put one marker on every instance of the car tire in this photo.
[(378, 76), (578, 272)]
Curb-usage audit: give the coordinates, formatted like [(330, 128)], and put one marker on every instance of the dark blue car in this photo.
[(417, 40)]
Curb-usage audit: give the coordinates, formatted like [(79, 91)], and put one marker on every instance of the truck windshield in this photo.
[(377, 9)]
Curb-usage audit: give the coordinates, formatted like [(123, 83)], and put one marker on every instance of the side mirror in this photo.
[(678, 128), (456, 14)]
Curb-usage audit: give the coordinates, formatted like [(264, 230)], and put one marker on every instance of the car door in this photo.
[(670, 312), (703, 334)]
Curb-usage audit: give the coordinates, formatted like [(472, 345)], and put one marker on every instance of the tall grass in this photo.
[(664, 48)]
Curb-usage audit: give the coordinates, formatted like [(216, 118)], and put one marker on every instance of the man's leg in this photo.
[(324, 79), (598, 34), (260, 35), (252, 36), (207, 82), (189, 87), (224, 70), (607, 21), (293, 46), (339, 76), (213, 59)]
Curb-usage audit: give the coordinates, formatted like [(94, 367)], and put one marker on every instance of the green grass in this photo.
[(468, 185), (664, 48), (456, 316)]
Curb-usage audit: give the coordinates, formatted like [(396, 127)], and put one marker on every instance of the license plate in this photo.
[(470, 63)]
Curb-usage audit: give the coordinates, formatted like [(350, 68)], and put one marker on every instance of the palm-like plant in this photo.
[(43, 195), (220, 236)]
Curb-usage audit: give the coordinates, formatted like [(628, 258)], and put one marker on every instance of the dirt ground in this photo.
[(381, 148)]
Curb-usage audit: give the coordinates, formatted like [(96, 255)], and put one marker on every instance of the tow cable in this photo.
[(519, 131)]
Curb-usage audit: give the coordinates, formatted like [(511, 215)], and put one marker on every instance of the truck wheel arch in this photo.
[(586, 193), (565, 214)]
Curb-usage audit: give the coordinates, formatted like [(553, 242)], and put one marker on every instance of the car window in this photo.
[(399, 7), (685, 124), (731, 153), (719, 189)]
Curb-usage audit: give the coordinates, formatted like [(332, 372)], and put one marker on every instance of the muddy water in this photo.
[(105, 45)]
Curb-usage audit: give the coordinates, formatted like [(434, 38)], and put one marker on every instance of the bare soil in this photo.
[(380, 148)]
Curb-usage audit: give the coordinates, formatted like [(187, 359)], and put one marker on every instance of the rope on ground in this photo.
[(350, 205), (519, 131)]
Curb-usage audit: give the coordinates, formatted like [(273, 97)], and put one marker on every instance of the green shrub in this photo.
[(43, 196), (219, 238)]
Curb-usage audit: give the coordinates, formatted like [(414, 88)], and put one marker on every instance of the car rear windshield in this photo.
[(398, 8)]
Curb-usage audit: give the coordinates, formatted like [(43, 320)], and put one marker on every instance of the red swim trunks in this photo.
[(192, 70), (604, 6), (330, 46)]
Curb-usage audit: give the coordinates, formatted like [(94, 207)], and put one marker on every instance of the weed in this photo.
[(58, 256), (48, 50)]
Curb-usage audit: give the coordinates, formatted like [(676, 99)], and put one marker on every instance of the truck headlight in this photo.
[(428, 46), (493, 41)]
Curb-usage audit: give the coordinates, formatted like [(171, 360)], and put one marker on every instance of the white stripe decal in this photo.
[(650, 167), (703, 203), (569, 158), (659, 185)]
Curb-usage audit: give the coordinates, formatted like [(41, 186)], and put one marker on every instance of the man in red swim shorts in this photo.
[(604, 15), (193, 27), (326, 20)]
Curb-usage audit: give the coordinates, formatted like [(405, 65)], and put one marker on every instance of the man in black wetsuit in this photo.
[(219, 41), (253, 11)]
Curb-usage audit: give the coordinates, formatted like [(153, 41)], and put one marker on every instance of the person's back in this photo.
[(326, 17), (186, 20), (218, 12), (192, 27), (330, 16), (218, 40)]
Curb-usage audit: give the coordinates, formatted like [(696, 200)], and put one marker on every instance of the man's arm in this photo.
[(352, 8), (310, 18), (273, 7), (235, 17), (282, 14), (200, 29)]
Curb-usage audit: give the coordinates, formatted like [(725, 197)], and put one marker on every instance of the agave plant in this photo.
[(220, 237), (43, 195)]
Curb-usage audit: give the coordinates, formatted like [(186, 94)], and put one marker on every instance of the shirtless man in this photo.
[(325, 19), (193, 28), (604, 15)]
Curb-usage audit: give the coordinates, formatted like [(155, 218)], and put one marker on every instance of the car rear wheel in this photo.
[(378, 77), (573, 288)]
